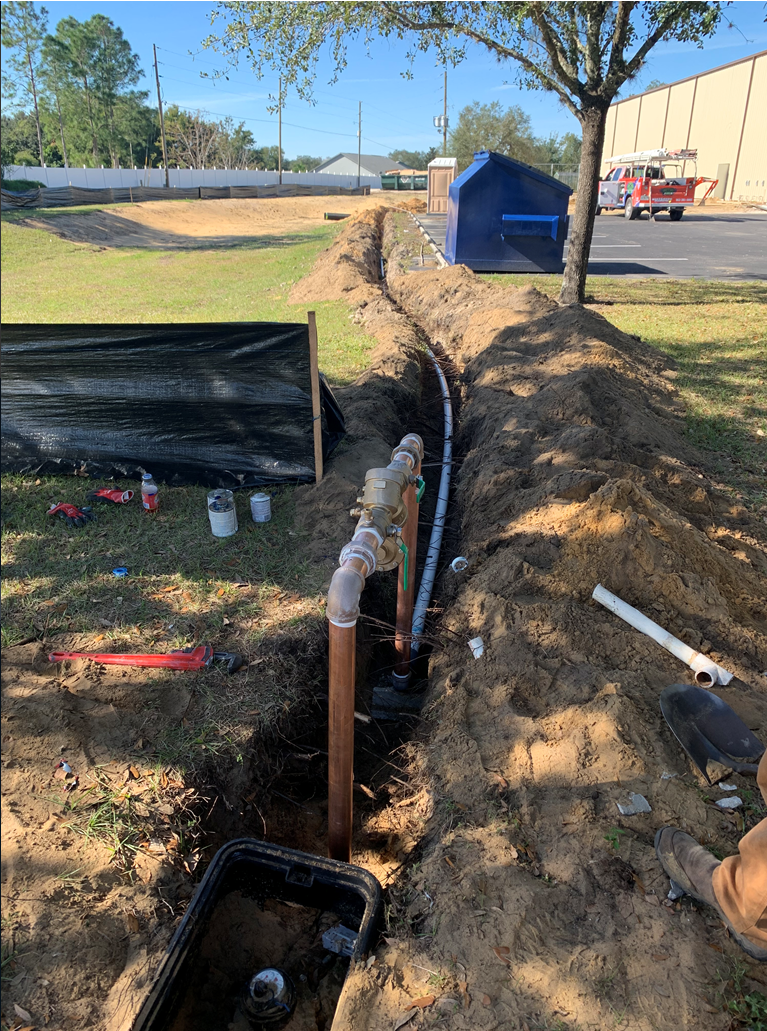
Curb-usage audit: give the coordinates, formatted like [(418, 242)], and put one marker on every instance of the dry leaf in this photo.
[(658, 958), (638, 882), (450, 863), (191, 861), (422, 1003), (168, 590), (501, 950), (134, 772), (132, 921), (99, 637), (404, 1019), (226, 621), (163, 779), (219, 592), (486, 1000), (465, 992), (24, 1014)]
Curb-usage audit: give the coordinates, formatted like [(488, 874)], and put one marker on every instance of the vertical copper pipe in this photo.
[(342, 649), (405, 597)]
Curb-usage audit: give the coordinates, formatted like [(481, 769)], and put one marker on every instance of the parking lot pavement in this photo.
[(721, 246)]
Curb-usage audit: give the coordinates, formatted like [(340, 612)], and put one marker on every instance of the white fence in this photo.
[(99, 178)]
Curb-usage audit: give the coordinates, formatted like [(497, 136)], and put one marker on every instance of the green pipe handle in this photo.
[(404, 550)]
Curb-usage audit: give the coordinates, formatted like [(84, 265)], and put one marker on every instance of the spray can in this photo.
[(222, 513), (149, 496)]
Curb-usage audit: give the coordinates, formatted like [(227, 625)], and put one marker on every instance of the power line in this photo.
[(325, 93), (267, 121)]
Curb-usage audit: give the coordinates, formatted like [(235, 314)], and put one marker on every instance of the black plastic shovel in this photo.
[(707, 728)]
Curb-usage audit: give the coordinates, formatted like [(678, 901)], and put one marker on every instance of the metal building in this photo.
[(722, 113)]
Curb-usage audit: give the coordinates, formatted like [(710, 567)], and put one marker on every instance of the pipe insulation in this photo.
[(440, 516), (707, 673)]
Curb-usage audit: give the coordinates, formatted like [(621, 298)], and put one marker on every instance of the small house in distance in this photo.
[(505, 216), (370, 164), (441, 172)]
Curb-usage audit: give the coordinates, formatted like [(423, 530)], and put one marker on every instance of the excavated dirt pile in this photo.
[(536, 904), (379, 406)]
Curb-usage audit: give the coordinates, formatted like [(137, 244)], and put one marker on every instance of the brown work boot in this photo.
[(691, 867)]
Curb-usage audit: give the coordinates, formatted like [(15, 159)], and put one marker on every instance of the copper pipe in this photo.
[(405, 597), (343, 641)]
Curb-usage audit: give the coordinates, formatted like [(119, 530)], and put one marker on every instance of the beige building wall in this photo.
[(721, 113), (749, 178), (677, 127)]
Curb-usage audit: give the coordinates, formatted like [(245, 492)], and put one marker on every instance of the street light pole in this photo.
[(444, 120), (359, 145), (162, 120), (279, 134)]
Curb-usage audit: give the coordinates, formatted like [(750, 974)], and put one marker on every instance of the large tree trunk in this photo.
[(574, 281)]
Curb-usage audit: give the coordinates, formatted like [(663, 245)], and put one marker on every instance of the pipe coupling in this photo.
[(362, 550), (409, 450)]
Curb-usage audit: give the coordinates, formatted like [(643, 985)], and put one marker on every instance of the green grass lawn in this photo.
[(717, 334), (47, 279)]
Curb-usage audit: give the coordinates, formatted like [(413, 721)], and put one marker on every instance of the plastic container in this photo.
[(150, 497), (261, 874), (222, 513), (261, 508)]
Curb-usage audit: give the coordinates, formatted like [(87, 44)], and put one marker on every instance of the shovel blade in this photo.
[(707, 728)]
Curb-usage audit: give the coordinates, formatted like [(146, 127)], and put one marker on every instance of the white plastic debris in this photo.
[(635, 805), (726, 787), (477, 647), (340, 939), (668, 776), (729, 803), (459, 564)]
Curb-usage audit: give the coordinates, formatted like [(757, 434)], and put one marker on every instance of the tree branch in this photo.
[(492, 45), (637, 60), (562, 66), (620, 35)]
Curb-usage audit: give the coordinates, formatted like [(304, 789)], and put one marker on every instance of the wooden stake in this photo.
[(316, 411)]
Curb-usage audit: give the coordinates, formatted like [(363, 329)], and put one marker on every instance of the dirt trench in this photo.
[(534, 900), (523, 898), (517, 894)]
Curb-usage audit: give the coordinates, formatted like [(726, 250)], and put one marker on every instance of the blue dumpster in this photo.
[(504, 216)]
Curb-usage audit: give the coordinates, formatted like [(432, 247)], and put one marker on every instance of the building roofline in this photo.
[(689, 78)]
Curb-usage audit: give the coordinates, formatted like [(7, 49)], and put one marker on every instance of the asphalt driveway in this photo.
[(716, 246)]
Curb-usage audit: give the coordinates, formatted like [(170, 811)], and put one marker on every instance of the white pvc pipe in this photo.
[(707, 673), (440, 516)]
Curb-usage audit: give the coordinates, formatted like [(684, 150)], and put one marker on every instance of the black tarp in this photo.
[(68, 196), (220, 404)]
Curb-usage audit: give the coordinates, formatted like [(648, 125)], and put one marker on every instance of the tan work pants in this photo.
[(740, 882)]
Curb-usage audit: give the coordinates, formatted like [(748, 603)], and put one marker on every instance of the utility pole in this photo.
[(162, 120), (444, 120), (279, 135), (359, 145)]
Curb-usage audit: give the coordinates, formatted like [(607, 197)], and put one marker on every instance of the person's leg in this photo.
[(736, 888), (740, 882)]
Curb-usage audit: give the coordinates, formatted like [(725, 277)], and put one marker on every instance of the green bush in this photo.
[(20, 185)]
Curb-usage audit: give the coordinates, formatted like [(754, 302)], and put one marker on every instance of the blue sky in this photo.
[(396, 113)]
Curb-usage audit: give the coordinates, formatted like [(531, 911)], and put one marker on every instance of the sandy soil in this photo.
[(172, 225)]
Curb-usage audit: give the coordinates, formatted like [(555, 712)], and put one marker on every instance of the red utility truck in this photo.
[(653, 181)]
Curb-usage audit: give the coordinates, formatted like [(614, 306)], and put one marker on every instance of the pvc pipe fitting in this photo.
[(343, 608), (706, 671)]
